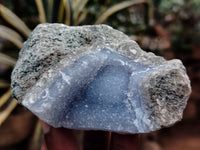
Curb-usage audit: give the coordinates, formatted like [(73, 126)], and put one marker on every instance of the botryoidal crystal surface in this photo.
[(96, 78)]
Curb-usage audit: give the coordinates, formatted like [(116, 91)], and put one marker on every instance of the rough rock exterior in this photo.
[(96, 78)]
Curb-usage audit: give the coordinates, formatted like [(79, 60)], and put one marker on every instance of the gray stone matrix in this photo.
[(96, 78)]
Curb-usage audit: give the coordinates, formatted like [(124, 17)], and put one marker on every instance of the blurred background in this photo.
[(169, 28)]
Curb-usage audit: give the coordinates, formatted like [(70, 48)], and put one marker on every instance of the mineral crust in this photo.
[(96, 78)]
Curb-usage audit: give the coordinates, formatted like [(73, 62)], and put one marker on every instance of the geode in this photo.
[(96, 78)]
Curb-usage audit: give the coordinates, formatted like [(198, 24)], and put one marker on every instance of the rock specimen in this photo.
[(96, 78)]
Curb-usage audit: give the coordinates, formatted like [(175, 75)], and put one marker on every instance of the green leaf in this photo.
[(49, 10), (9, 108), (5, 113), (68, 11), (82, 17), (11, 35), (110, 11), (41, 11), (7, 60), (79, 8), (15, 21), (75, 3), (5, 97), (61, 12)]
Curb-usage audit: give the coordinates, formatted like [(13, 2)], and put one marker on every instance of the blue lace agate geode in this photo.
[(96, 78)]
